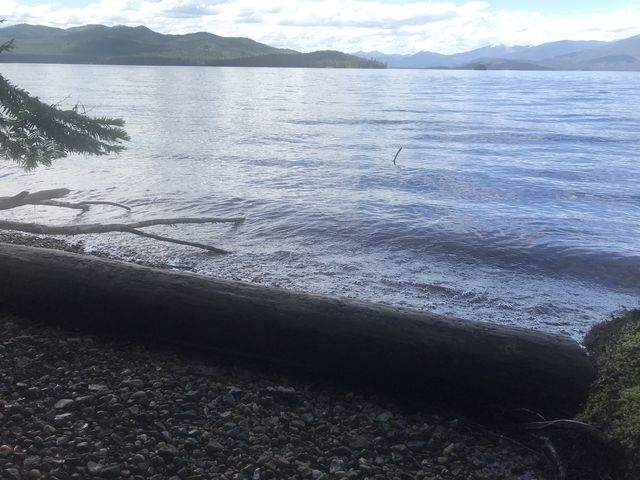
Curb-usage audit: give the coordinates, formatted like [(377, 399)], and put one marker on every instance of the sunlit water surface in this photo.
[(515, 199)]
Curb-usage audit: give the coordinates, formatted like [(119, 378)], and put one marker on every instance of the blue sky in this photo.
[(390, 26)]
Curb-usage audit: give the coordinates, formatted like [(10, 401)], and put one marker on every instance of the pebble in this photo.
[(360, 443), (62, 418), (384, 417), (63, 404), (33, 474), (139, 395), (94, 467), (110, 471)]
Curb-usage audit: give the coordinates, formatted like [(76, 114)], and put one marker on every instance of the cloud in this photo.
[(348, 25)]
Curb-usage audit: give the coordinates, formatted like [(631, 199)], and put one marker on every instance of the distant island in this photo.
[(121, 45), (563, 55)]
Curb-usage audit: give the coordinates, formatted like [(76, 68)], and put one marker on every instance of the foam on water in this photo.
[(515, 198)]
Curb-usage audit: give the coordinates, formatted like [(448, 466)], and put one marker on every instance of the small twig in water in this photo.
[(397, 153)]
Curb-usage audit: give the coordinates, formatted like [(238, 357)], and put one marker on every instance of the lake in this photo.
[(515, 198)]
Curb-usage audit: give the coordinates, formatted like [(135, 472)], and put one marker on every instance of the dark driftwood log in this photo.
[(424, 354)]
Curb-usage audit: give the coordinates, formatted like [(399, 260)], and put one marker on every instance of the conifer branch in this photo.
[(33, 133)]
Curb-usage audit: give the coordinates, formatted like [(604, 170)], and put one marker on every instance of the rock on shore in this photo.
[(76, 406)]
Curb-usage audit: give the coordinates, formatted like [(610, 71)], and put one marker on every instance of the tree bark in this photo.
[(397, 350)]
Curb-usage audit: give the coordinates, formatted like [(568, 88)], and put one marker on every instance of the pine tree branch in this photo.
[(33, 133)]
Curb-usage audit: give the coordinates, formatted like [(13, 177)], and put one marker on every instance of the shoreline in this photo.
[(498, 444)]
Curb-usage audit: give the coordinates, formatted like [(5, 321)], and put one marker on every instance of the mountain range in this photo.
[(121, 45), (563, 55), (124, 45)]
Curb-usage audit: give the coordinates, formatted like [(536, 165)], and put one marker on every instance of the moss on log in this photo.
[(614, 400)]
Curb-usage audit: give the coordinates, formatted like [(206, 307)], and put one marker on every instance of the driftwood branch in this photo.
[(122, 228), (84, 206), (57, 203), (179, 242), (26, 198), (47, 197)]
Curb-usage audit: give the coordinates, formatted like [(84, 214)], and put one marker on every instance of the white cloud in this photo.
[(347, 25)]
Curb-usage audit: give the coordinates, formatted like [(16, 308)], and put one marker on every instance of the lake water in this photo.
[(515, 199)]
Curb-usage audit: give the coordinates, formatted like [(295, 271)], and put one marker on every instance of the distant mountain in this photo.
[(619, 55), (563, 55), (551, 49), (496, 51), (438, 60), (98, 44)]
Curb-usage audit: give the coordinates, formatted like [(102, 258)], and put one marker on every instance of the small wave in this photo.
[(609, 268), (503, 138), (355, 121)]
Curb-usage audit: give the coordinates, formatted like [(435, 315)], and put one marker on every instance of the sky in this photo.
[(389, 26)]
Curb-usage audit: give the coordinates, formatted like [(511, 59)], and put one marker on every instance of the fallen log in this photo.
[(432, 356)]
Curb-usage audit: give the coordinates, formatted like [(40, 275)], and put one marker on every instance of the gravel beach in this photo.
[(74, 405)]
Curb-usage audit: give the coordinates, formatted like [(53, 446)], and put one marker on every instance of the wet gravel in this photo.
[(41, 241)]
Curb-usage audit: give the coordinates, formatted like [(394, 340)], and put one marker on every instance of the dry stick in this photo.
[(57, 203), (531, 412), (569, 424), (499, 436), (120, 227), (397, 153), (562, 473)]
